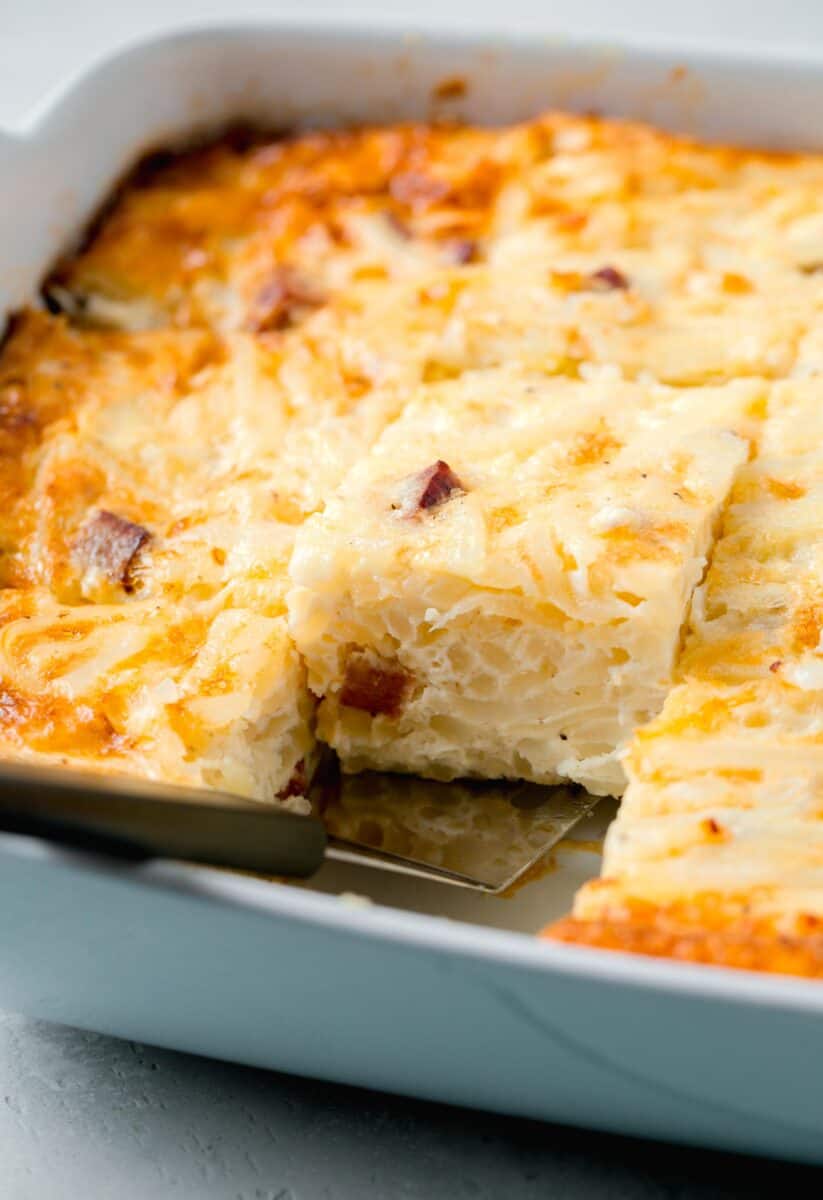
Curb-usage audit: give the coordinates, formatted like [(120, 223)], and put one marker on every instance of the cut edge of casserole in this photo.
[(717, 851)]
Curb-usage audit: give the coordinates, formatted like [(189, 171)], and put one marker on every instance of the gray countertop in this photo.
[(88, 1117)]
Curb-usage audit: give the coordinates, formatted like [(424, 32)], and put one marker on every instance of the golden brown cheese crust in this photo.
[(266, 217), (712, 930), (257, 234), (143, 570), (56, 384)]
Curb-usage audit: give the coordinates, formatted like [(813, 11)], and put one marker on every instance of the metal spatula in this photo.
[(476, 835)]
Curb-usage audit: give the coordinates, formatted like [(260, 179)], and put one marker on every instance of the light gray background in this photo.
[(87, 1117)]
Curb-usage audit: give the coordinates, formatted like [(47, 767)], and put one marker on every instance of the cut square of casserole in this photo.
[(206, 694), (499, 587), (142, 613), (717, 853)]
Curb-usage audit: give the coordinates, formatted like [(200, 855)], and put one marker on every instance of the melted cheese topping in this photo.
[(174, 662)]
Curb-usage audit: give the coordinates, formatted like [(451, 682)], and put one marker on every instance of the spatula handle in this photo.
[(134, 820)]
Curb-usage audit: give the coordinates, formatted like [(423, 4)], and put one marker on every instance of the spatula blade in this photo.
[(474, 834)]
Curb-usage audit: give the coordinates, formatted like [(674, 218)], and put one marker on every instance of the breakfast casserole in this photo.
[(467, 452)]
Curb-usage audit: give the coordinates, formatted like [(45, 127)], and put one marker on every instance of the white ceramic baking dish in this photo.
[(396, 995)]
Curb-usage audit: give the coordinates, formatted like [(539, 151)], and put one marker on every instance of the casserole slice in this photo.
[(202, 694), (142, 606), (717, 852), (498, 588)]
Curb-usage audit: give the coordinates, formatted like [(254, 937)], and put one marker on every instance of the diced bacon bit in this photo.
[(462, 251), (278, 300), (438, 482), (376, 685), (428, 488), (608, 279), (298, 784), (775, 666), (807, 923), (111, 544)]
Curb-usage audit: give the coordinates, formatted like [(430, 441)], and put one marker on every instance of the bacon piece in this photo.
[(110, 544), (428, 488), (438, 482), (276, 303), (378, 686), (608, 279), (298, 785)]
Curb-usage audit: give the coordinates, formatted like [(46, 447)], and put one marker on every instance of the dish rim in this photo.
[(382, 33), (442, 935)]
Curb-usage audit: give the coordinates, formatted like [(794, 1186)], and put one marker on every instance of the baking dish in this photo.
[(395, 995)]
